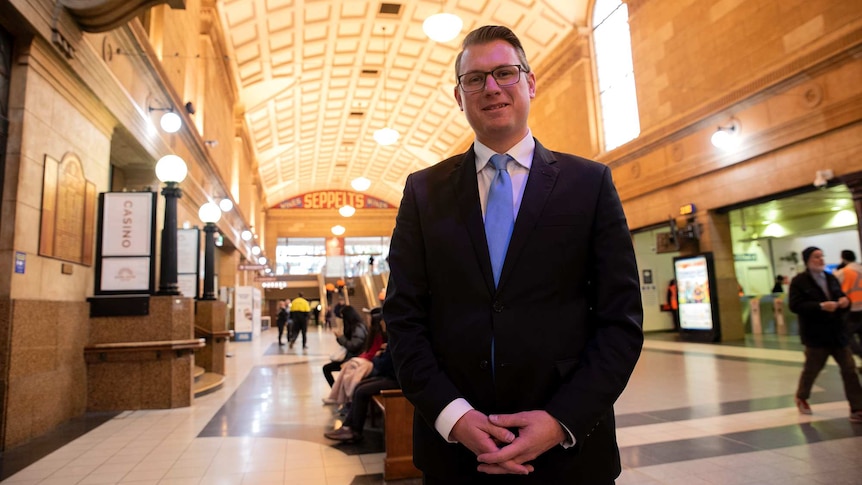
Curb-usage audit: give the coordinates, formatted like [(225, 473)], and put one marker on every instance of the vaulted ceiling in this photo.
[(317, 78)]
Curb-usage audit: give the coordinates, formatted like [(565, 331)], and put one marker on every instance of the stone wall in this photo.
[(47, 382)]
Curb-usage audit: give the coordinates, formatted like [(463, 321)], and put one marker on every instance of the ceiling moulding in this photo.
[(104, 15)]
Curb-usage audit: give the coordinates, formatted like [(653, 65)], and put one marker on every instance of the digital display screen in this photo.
[(693, 294)]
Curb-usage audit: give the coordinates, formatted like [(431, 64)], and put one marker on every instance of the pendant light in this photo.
[(442, 27), (385, 136)]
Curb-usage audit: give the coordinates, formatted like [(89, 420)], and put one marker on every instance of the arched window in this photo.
[(613, 47)]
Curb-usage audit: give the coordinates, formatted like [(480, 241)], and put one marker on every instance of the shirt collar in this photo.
[(522, 152)]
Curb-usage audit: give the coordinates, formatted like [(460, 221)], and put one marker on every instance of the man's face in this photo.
[(816, 261), (497, 114)]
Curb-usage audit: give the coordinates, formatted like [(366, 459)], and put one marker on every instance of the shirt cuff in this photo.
[(570, 439), (449, 416)]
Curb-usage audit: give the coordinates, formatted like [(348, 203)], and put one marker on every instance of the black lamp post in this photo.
[(209, 214), (171, 170)]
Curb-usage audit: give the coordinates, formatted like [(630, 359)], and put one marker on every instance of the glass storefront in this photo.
[(302, 256)]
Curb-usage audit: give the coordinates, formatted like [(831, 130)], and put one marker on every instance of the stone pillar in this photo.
[(715, 238)]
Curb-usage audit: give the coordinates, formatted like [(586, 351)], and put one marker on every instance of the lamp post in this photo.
[(171, 170), (209, 214)]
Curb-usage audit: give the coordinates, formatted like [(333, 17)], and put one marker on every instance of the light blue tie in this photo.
[(499, 215)]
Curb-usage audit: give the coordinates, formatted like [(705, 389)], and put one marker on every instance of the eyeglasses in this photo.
[(504, 76)]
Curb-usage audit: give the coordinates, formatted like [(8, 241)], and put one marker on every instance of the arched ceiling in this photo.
[(317, 78)]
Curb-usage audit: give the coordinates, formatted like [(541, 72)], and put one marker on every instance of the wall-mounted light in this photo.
[(170, 121), (347, 211), (246, 235), (822, 178), (360, 184), (726, 137), (338, 230), (255, 250), (261, 260), (225, 205)]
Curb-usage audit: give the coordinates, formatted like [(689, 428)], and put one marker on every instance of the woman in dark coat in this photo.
[(353, 339)]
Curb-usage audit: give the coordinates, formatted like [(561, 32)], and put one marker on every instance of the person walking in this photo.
[(850, 277), (817, 298), (281, 319), (513, 304), (299, 310)]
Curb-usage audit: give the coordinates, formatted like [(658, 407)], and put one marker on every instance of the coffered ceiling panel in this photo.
[(318, 77)]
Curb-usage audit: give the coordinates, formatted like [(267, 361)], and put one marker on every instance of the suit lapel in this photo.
[(540, 183), (466, 186)]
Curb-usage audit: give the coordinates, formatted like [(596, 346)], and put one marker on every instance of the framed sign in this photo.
[(125, 245), (188, 261), (125, 274), (188, 285)]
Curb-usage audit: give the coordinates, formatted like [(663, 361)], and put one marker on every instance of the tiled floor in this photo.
[(692, 414)]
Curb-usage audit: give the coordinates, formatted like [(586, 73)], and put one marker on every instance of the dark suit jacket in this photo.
[(817, 328), (566, 318)]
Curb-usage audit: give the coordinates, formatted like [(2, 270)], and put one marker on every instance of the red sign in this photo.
[(332, 199)]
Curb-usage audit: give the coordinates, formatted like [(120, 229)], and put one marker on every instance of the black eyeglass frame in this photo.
[(485, 77)]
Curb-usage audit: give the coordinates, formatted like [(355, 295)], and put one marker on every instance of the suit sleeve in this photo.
[(406, 312), (615, 320)]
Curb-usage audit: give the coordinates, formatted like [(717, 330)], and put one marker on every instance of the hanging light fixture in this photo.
[(338, 230), (442, 27), (347, 210), (385, 136), (360, 183)]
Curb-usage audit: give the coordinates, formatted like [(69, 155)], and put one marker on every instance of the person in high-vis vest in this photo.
[(850, 277), (673, 303)]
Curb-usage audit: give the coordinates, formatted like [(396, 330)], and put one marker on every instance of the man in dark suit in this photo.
[(512, 359)]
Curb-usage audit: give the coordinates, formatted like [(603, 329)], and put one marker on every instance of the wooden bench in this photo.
[(398, 434)]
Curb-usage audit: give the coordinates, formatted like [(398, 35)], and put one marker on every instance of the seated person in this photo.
[(382, 377), (359, 367), (351, 338)]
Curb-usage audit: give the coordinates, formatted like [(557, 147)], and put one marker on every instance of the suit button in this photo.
[(498, 307), (483, 365)]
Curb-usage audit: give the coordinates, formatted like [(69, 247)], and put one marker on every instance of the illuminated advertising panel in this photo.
[(696, 295)]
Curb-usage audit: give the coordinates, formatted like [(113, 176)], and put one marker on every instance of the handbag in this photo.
[(339, 354)]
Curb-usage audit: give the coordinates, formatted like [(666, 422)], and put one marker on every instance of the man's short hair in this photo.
[(848, 255), (490, 33)]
